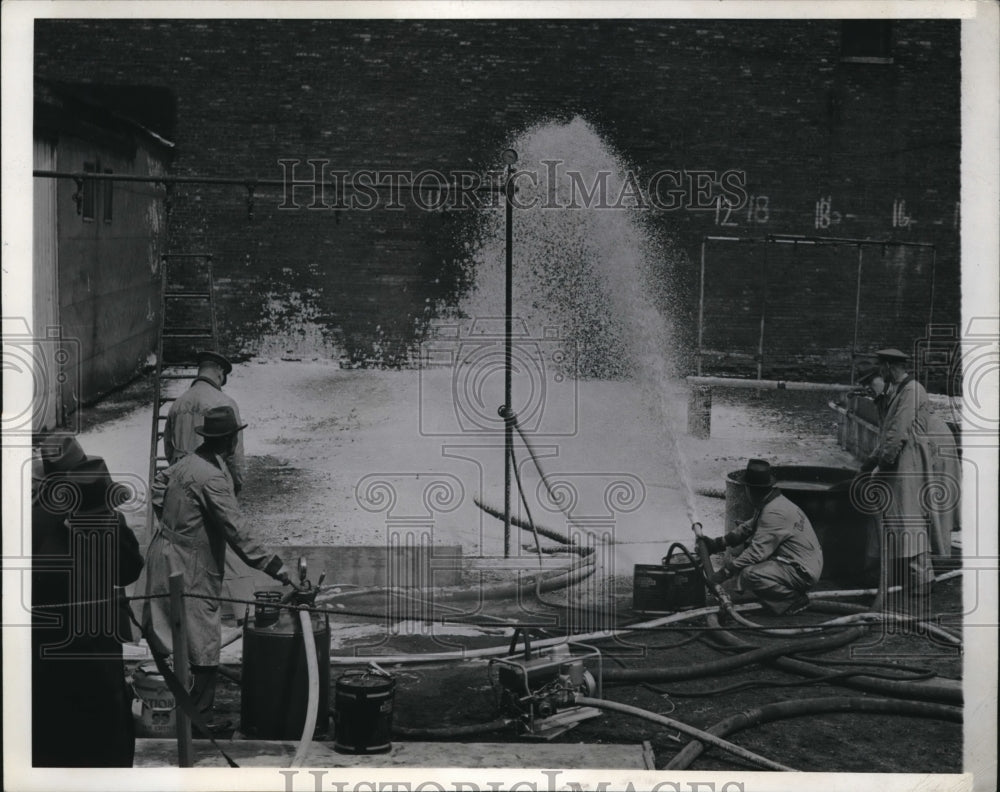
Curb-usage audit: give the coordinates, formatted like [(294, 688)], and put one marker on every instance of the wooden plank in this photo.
[(274, 753)]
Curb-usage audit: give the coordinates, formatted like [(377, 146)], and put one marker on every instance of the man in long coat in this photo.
[(82, 553), (903, 462), (186, 415), (199, 516)]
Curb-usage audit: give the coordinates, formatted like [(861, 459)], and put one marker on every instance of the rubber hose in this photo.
[(800, 707), (548, 533), (861, 610), (726, 664), (663, 720), (312, 704), (452, 731), (942, 691)]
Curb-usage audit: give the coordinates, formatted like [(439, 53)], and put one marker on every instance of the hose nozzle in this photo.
[(696, 527)]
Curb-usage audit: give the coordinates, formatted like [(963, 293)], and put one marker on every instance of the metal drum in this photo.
[(275, 682)]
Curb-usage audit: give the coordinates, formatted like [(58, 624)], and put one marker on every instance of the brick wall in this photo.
[(867, 150)]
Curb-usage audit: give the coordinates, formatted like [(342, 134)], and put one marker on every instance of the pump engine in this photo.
[(538, 686)]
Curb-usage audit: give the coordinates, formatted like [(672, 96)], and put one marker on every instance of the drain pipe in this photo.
[(814, 706), (663, 720)]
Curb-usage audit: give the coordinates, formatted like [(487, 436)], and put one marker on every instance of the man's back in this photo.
[(187, 414)]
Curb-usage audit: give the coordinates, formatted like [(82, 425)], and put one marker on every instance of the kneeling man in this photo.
[(781, 559)]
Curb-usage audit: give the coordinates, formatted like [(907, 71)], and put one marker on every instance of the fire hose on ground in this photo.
[(663, 720), (813, 706)]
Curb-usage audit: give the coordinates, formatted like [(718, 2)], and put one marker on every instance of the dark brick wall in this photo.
[(866, 150)]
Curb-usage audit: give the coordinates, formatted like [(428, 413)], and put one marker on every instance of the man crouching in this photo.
[(781, 558)]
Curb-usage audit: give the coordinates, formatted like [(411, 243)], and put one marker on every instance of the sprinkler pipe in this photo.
[(663, 720), (812, 706)]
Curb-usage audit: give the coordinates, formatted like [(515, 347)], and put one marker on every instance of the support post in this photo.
[(701, 306), (508, 357), (178, 629), (857, 317), (700, 411)]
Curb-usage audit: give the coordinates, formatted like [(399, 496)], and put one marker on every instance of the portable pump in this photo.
[(538, 687)]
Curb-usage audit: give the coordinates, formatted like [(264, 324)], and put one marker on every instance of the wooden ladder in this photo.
[(187, 323)]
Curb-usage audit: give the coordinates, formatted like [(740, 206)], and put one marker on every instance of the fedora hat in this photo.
[(207, 355), (757, 474), (220, 422), (891, 356)]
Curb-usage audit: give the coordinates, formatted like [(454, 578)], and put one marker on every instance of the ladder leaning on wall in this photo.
[(187, 324)]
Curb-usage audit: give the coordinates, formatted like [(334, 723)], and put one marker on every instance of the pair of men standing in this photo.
[(916, 464), (195, 502)]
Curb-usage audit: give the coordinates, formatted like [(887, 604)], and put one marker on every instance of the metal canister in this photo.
[(275, 686)]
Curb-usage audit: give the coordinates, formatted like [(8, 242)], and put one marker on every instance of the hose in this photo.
[(663, 720), (312, 670), (726, 664), (861, 613), (452, 731), (548, 533), (944, 691), (814, 706)]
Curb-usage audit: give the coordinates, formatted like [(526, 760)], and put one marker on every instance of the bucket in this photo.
[(153, 708), (363, 713), (673, 585)]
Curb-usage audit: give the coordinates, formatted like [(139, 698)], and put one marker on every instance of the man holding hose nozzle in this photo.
[(195, 502), (782, 558)]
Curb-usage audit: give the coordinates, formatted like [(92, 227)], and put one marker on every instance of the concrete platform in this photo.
[(272, 753)]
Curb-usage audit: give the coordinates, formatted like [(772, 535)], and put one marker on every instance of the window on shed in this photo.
[(88, 208), (866, 41), (109, 192)]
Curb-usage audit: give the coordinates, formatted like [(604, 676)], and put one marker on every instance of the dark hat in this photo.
[(757, 474), (204, 355), (220, 422), (891, 356), (62, 452)]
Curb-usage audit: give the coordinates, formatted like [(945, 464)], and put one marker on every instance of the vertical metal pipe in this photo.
[(701, 305), (857, 316), (930, 316), (178, 629), (508, 358), (763, 314)]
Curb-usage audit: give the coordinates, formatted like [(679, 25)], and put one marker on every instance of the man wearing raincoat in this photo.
[(187, 413), (903, 464), (199, 516)]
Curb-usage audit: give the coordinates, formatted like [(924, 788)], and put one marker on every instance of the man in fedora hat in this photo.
[(188, 412), (82, 553), (782, 558), (904, 462), (199, 516)]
